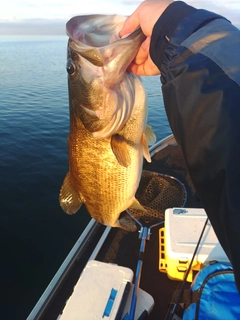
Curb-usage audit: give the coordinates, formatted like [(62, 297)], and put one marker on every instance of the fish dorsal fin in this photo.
[(150, 135), (68, 197), (120, 150), (136, 205), (146, 153), (148, 138)]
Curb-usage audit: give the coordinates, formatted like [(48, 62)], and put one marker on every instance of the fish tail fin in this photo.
[(69, 199), (127, 224)]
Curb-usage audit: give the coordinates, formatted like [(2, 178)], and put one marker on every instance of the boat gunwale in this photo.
[(77, 250), (65, 268)]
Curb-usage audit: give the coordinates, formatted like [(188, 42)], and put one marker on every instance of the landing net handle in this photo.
[(157, 192)]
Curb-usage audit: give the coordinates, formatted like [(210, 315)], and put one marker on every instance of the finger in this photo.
[(130, 24), (143, 64), (148, 68), (143, 52)]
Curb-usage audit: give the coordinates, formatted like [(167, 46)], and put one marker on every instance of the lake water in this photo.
[(36, 235)]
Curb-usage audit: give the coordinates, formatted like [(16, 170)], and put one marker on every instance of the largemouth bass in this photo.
[(108, 112)]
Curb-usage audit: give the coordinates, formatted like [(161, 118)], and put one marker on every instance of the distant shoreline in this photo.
[(41, 27)]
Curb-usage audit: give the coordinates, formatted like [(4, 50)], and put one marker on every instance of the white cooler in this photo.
[(179, 238), (101, 291)]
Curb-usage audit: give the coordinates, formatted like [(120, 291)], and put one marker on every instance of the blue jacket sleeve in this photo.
[(198, 54)]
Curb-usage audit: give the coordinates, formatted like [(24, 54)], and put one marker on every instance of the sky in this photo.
[(50, 16)]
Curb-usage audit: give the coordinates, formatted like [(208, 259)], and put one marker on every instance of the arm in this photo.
[(197, 53), (200, 74)]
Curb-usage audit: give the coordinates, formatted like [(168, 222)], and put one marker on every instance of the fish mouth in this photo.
[(96, 38), (98, 30), (95, 30)]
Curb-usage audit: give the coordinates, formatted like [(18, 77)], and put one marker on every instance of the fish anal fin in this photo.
[(69, 199), (146, 153), (126, 222), (120, 150), (136, 205)]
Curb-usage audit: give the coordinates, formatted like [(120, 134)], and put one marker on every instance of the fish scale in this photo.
[(96, 171), (108, 116)]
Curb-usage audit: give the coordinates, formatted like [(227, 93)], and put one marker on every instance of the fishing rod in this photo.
[(170, 317)]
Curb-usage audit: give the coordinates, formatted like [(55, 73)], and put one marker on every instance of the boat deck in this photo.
[(122, 247)]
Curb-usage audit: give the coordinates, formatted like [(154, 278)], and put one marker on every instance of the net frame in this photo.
[(158, 192)]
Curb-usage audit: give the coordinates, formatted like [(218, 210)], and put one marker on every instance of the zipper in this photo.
[(200, 290)]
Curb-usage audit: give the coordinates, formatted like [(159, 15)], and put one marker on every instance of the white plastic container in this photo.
[(178, 240), (145, 302), (99, 292)]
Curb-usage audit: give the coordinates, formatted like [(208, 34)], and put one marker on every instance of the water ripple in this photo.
[(34, 124)]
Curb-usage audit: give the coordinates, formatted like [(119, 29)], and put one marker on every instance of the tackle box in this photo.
[(103, 291), (178, 240)]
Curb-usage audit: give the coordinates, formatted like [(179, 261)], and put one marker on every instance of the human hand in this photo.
[(145, 16)]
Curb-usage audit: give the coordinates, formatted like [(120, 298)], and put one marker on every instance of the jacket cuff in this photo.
[(165, 28), (176, 24)]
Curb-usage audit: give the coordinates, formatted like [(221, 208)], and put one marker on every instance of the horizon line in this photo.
[(34, 27)]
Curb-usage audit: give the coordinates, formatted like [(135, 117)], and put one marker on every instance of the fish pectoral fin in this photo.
[(146, 153), (136, 205), (120, 150), (69, 199)]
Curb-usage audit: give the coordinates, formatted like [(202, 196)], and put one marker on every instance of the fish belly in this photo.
[(107, 187)]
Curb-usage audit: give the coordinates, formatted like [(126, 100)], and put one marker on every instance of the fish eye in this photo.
[(70, 68)]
